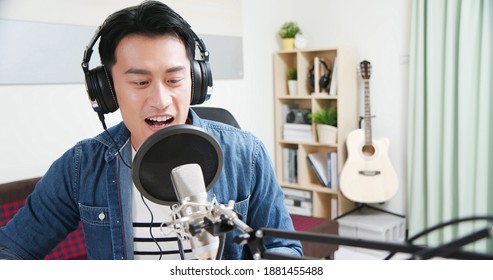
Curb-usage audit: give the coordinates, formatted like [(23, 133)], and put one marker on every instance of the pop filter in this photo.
[(169, 148)]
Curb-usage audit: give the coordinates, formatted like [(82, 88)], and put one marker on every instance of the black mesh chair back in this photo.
[(216, 114)]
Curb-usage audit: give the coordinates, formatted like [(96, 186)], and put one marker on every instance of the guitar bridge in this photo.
[(369, 173)]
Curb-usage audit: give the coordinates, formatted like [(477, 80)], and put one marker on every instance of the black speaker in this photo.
[(99, 84), (324, 81)]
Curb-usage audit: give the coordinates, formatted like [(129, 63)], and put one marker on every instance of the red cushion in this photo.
[(304, 223)]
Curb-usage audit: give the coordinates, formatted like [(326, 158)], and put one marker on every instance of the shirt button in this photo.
[(101, 216)]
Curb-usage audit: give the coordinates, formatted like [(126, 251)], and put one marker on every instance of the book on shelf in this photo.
[(297, 193), (318, 164), (300, 139), (334, 213), (325, 168), (329, 170), (299, 211), (297, 136), (297, 127), (297, 132), (334, 170), (290, 165), (333, 82), (298, 202)]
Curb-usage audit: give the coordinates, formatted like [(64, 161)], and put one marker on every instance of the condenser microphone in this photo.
[(190, 190)]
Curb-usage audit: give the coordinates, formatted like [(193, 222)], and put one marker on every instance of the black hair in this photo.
[(150, 18)]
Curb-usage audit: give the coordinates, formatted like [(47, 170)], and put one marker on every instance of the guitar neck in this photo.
[(368, 136)]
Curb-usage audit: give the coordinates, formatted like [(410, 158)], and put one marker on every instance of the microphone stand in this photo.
[(226, 219), (419, 252)]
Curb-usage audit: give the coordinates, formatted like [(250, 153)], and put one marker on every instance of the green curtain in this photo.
[(450, 133)]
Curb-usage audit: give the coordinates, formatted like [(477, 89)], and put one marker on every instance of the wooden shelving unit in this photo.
[(344, 99)]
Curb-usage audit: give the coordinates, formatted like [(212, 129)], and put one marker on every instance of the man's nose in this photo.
[(160, 97)]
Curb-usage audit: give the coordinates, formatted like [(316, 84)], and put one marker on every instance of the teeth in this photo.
[(159, 119)]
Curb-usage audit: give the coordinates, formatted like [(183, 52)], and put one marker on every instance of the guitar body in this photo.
[(368, 175)]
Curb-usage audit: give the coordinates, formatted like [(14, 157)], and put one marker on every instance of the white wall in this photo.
[(40, 122)]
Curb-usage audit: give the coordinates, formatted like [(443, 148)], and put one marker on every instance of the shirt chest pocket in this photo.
[(97, 216), (97, 231), (241, 207)]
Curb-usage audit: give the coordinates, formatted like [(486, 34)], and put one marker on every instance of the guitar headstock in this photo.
[(365, 67)]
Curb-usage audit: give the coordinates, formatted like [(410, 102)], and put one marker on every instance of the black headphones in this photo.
[(324, 81), (99, 84)]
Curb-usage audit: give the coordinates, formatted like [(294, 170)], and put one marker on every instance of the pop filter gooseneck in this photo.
[(169, 148)]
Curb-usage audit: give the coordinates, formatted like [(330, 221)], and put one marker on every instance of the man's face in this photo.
[(152, 83)]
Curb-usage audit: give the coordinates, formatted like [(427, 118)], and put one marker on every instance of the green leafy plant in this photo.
[(289, 30), (293, 74), (325, 116)]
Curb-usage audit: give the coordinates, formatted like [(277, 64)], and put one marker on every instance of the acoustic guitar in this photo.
[(368, 175)]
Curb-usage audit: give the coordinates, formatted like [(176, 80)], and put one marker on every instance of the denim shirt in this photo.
[(89, 183)]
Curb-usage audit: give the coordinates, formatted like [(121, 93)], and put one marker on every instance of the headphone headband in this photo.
[(89, 48)]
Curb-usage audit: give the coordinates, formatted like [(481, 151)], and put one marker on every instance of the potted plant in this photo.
[(292, 81), (326, 123), (287, 32)]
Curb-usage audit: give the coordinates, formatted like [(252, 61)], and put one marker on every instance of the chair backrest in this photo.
[(216, 114)]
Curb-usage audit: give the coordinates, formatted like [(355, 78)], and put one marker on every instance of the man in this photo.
[(149, 72)]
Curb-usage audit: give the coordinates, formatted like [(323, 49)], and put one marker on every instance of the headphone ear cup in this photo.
[(100, 89), (196, 83), (201, 80), (325, 79)]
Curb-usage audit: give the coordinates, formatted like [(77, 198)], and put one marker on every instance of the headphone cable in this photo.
[(101, 118), (150, 227)]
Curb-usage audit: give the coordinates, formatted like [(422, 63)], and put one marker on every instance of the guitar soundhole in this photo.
[(368, 150)]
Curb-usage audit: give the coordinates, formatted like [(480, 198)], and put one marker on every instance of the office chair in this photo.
[(216, 114)]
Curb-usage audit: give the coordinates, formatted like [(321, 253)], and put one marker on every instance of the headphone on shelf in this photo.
[(324, 81), (99, 84)]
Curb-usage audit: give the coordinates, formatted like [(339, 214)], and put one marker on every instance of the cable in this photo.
[(180, 248), (454, 221), (220, 250), (101, 118), (150, 227), (442, 225)]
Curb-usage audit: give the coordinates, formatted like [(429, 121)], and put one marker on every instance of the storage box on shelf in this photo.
[(325, 202)]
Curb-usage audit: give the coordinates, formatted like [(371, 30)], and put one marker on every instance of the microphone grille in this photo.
[(188, 180)]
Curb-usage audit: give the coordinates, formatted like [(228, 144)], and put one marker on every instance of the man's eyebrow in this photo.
[(175, 69), (147, 72), (137, 71)]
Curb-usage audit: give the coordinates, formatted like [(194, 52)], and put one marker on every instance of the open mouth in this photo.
[(158, 122)]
